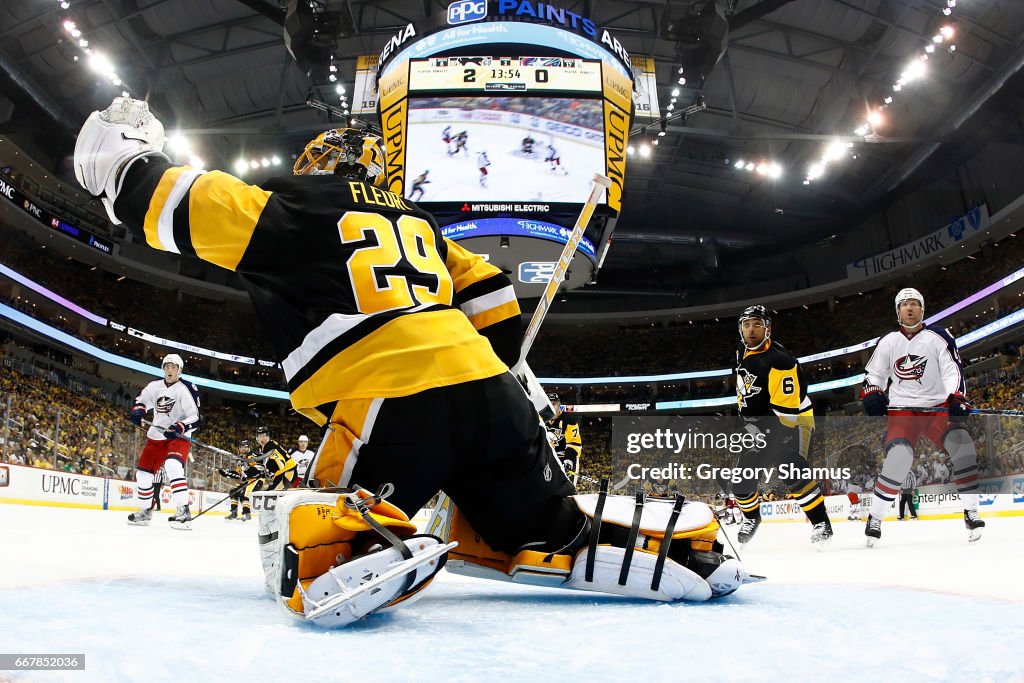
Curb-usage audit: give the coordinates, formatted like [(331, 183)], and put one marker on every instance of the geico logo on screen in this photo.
[(465, 11), (536, 272)]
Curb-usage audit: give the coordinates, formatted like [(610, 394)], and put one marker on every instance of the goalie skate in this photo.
[(367, 584)]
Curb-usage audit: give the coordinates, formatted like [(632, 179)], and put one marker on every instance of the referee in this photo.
[(907, 494)]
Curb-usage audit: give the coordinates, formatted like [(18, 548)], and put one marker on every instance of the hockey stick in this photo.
[(521, 369), (974, 411), (233, 492), (599, 185), (197, 442)]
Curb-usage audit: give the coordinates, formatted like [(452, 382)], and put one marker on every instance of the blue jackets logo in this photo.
[(536, 272), (465, 11)]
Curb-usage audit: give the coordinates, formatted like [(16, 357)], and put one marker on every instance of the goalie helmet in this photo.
[(345, 152)]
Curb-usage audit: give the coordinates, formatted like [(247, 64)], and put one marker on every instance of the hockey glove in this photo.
[(959, 408), (876, 403), (137, 413), (175, 431)]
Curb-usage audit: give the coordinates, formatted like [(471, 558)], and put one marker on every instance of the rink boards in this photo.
[(24, 485)]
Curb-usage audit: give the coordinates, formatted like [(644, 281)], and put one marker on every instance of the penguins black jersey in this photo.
[(388, 307), (770, 381)]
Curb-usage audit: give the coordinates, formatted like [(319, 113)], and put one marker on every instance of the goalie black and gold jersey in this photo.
[(770, 381), (387, 307)]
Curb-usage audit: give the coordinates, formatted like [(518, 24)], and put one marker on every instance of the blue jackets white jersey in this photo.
[(178, 402), (924, 367)]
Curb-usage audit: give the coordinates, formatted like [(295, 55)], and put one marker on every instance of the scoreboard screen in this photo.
[(472, 133), (506, 74)]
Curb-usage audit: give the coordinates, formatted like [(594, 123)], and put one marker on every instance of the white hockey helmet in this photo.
[(303, 438), (175, 359), (908, 293)]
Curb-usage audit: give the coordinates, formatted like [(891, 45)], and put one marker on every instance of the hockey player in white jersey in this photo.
[(482, 163), (302, 457), (916, 378), (175, 406), (554, 161)]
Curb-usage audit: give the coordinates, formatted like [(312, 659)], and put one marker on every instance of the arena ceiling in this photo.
[(794, 74)]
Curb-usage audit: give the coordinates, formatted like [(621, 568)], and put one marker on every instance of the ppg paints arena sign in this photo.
[(459, 27)]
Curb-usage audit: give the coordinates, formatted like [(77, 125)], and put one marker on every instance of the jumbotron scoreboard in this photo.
[(496, 75), (520, 79)]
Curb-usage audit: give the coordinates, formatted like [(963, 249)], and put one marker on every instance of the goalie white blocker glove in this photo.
[(110, 142)]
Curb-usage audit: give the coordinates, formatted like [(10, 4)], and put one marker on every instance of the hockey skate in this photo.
[(821, 534), (142, 517), (873, 530), (974, 524), (182, 519), (246, 517), (748, 529), (232, 517)]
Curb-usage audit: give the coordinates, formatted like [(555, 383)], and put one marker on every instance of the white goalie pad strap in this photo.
[(275, 508), (373, 582), (619, 510), (677, 582)]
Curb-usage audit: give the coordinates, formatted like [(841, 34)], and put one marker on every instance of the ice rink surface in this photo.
[(154, 604)]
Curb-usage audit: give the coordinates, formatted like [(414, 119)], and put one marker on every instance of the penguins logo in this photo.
[(910, 367), (745, 386)]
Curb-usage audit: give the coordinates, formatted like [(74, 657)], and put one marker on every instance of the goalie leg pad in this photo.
[(342, 556), (657, 550)]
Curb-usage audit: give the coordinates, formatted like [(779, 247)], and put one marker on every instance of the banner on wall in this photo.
[(945, 237)]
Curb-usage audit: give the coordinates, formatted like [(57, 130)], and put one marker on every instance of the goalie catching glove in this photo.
[(110, 142), (334, 558)]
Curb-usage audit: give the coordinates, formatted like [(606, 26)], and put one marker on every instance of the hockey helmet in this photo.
[(244, 443), (908, 293), (262, 430), (303, 439), (174, 359), (755, 312), (346, 152), (553, 397)]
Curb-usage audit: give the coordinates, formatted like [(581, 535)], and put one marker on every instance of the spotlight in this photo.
[(675, 92), (875, 118), (740, 164)]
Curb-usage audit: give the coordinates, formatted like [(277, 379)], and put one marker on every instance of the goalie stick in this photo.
[(521, 369)]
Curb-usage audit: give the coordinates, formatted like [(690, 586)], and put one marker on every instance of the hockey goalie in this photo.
[(332, 558)]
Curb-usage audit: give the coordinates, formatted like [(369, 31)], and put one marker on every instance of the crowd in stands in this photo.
[(559, 351), (50, 423)]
